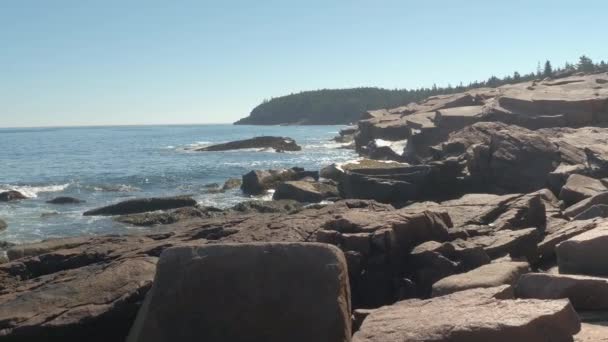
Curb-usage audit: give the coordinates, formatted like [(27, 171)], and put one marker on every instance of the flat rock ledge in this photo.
[(473, 316)]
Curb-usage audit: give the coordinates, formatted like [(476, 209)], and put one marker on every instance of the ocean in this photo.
[(104, 165)]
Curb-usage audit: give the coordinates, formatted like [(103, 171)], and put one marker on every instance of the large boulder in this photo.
[(585, 253), (279, 144), (307, 192), (472, 315), (584, 292), (490, 275), (11, 195), (274, 292), (579, 187), (142, 205)]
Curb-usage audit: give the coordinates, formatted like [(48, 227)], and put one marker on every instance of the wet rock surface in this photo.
[(142, 205), (279, 144)]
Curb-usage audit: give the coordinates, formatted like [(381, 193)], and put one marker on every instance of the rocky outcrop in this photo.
[(142, 205), (573, 101), (279, 144), (472, 315), (306, 192), (258, 283), (65, 200), (490, 275), (11, 195)]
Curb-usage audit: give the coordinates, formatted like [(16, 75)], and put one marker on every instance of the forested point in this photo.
[(344, 106)]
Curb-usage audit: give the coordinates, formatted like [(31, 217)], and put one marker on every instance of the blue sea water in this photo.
[(104, 165)]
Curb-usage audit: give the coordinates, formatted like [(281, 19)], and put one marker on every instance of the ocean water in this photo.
[(104, 165)]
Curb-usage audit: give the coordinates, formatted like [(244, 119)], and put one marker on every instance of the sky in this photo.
[(108, 62)]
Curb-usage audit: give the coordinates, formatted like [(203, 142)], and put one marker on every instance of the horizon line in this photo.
[(119, 125)]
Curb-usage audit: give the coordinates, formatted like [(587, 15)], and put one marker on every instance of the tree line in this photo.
[(343, 106)]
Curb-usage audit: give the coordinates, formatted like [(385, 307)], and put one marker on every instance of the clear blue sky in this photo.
[(155, 62)]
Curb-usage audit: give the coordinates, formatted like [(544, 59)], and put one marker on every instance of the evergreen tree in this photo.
[(548, 69), (538, 70), (516, 77), (585, 64)]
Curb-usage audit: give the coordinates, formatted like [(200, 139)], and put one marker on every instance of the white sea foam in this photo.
[(115, 188), (33, 191), (397, 146)]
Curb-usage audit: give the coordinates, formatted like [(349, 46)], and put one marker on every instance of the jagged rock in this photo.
[(142, 205), (599, 210), (69, 305), (557, 178), (490, 275), (516, 243), (11, 195), (307, 192), (580, 207), (503, 212), (584, 292), (585, 253), (232, 183), (65, 200), (578, 188), (279, 144), (472, 315), (262, 207), (559, 233), (185, 304), (507, 157)]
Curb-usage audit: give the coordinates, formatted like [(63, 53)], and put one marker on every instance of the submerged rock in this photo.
[(11, 195), (143, 205), (279, 144), (65, 200), (200, 292), (3, 225), (232, 183)]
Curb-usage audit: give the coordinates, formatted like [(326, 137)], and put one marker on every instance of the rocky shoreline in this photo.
[(490, 225)]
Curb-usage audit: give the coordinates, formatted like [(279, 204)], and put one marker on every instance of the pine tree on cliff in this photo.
[(516, 77), (548, 72), (585, 64)]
